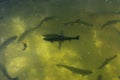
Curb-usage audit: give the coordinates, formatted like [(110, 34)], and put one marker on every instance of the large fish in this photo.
[(5, 73), (76, 70), (7, 42)]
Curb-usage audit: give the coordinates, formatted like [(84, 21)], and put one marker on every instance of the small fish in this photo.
[(27, 32), (79, 22), (45, 20), (109, 23), (99, 77), (69, 23), (107, 61), (5, 73), (76, 70), (7, 42), (48, 18), (119, 77), (1, 1), (24, 34), (83, 22)]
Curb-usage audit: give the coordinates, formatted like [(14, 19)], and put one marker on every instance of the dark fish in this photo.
[(83, 22), (7, 42), (107, 61), (110, 23), (99, 77), (76, 70), (59, 38), (25, 33), (69, 23), (5, 73), (79, 22)]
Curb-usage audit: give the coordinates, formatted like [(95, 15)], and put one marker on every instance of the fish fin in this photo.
[(59, 46)]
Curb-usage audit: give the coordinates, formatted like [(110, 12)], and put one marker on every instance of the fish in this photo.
[(83, 22), (119, 77), (99, 77), (24, 34), (69, 23), (7, 42), (76, 70), (1, 1), (27, 32), (5, 73), (110, 22), (79, 22), (107, 61), (44, 20), (59, 38)]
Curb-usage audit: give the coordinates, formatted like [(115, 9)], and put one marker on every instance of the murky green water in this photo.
[(39, 59)]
